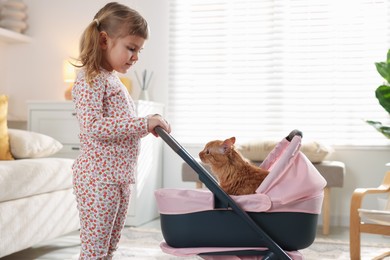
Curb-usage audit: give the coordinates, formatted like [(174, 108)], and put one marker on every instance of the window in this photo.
[(258, 69)]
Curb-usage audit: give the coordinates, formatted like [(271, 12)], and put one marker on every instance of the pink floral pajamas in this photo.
[(110, 134), (103, 209)]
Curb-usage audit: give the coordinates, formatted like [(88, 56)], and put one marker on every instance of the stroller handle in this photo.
[(168, 139), (276, 251)]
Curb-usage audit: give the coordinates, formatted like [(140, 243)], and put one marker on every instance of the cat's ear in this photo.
[(228, 144)]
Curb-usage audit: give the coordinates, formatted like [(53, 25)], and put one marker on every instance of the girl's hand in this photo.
[(157, 120)]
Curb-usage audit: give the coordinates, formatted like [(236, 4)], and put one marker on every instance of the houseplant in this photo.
[(382, 93)]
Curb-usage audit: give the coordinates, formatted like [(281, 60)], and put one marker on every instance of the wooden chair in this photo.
[(378, 220)]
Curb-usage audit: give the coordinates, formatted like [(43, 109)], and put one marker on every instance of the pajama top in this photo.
[(110, 130)]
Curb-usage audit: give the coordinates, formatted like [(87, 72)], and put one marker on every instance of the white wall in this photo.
[(33, 71)]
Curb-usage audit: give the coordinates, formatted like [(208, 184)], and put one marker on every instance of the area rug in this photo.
[(328, 249), (144, 244)]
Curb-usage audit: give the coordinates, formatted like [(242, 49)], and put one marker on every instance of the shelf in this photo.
[(8, 36)]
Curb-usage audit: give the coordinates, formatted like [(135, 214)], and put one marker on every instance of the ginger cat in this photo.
[(235, 174)]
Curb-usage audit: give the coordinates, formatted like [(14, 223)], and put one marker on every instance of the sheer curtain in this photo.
[(258, 69)]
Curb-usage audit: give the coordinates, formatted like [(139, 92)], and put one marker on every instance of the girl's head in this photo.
[(112, 40)]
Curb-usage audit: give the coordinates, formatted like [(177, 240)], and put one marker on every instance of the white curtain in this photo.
[(260, 68)]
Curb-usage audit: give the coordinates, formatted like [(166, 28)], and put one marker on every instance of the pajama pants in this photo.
[(102, 209)]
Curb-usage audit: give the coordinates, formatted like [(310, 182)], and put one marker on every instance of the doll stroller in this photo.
[(274, 223)]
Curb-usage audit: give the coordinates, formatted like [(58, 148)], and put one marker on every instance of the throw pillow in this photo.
[(315, 151), (5, 153), (258, 150), (25, 144)]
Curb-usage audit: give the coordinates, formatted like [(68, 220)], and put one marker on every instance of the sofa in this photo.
[(36, 199)]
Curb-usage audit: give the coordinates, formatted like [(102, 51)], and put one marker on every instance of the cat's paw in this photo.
[(293, 133)]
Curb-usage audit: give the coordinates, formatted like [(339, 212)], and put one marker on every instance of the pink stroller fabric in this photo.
[(293, 185)]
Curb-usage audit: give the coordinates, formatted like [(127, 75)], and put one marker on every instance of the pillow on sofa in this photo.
[(25, 144), (316, 152), (5, 153), (258, 150)]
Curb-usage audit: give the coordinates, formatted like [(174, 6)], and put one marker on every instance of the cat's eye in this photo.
[(207, 151)]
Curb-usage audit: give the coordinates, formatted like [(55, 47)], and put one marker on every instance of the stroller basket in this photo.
[(281, 216)]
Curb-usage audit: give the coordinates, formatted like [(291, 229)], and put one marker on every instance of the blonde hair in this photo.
[(117, 21)]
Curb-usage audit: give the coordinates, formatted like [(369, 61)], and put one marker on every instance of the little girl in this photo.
[(110, 130)]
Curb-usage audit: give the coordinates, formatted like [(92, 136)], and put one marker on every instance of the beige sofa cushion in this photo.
[(26, 144), (258, 150)]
